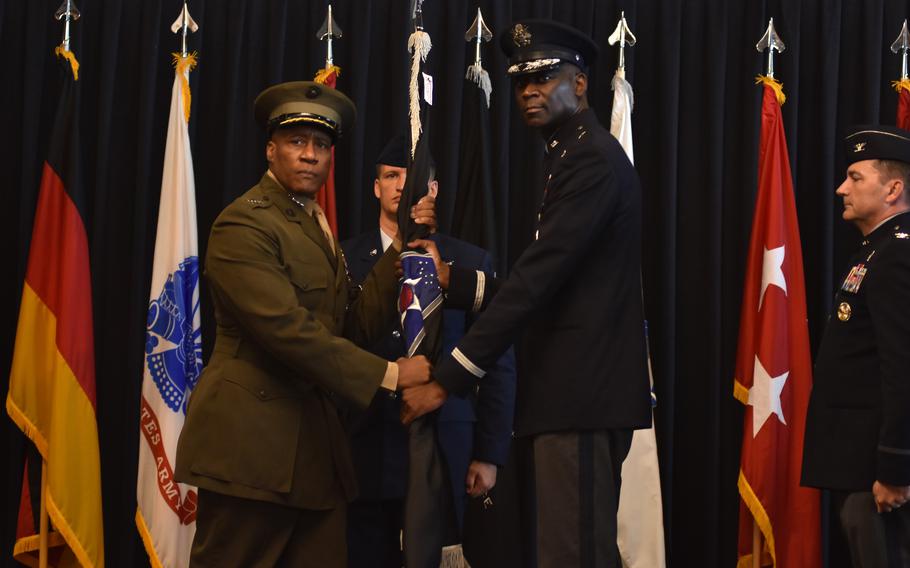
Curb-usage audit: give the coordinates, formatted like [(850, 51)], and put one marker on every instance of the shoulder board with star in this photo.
[(259, 201)]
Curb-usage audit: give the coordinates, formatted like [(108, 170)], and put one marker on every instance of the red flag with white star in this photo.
[(773, 366)]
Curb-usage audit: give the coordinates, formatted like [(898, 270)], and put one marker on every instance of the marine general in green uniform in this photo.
[(262, 438)]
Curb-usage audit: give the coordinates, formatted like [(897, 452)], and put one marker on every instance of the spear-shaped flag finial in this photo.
[(68, 13), (184, 24), (478, 32), (622, 35), (770, 41), (184, 62), (328, 32), (902, 45)]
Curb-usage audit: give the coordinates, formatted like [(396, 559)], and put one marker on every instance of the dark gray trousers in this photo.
[(577, 480), (876, 540)]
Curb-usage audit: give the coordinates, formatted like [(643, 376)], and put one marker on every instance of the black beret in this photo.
[(537, 45), (304, 102), (395, 152), (877, 143)]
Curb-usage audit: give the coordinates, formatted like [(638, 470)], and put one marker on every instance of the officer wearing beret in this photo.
[(473, 433), (572, 304), (857, 441), (262, 438)]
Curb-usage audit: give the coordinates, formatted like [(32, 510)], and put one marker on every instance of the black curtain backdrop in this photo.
[(696, 129)]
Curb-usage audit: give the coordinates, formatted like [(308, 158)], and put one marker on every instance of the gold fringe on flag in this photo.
[(903, 84), (323, 74), (774, 84), (760, 516), (69, 56), (184, 65)]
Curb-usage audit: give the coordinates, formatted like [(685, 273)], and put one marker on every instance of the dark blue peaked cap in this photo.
[(876, 142), (538, 45), (395, 152)]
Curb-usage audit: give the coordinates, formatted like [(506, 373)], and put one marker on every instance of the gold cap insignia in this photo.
[(859, 147), (844, 311), (521, 35)]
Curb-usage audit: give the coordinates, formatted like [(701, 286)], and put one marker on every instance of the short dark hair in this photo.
[(895, 169)]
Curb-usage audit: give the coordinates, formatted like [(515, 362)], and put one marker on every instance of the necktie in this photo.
[(315, 210)]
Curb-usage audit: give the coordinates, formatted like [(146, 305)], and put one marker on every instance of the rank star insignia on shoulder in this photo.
[(263, 201)]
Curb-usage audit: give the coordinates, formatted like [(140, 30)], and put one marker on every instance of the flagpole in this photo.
[(328, 35), (623, 36), (184, 29), (770, 41), (42, 518), (478, 33), (68, 13), (756, 545), (902, 45), (328, 75)]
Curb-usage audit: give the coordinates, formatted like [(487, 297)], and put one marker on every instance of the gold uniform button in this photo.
[(844, 311)]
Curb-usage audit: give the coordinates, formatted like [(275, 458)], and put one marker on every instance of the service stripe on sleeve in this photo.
[(478, 293), (467, 364)]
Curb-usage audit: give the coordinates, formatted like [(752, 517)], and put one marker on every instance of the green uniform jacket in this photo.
[(261, 423)]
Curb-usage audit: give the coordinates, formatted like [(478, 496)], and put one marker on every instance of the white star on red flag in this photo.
[(772, 273), (764, 396)]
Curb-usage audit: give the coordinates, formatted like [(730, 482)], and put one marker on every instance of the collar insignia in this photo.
[(521, 35)]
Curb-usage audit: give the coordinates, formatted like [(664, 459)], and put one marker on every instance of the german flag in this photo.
[(52, 383)]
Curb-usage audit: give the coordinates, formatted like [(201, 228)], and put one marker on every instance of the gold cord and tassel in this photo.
[(323, 74), (774, 84), (69, 56), (902, 85), (185, 64)]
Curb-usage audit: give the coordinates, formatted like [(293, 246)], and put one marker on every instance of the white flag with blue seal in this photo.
[(640, 521), (166, 513)]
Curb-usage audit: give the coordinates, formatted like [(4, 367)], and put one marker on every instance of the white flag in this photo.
[(166, 514), (621, 116), (640, 522)]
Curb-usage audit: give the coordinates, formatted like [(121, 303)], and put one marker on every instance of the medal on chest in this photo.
[(844, 311), (854, 279)]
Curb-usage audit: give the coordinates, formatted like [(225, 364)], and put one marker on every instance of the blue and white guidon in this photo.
[(419, 296)]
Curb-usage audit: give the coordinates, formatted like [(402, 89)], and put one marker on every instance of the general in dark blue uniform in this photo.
[(474, 432), (572, 304), (857, 441)]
